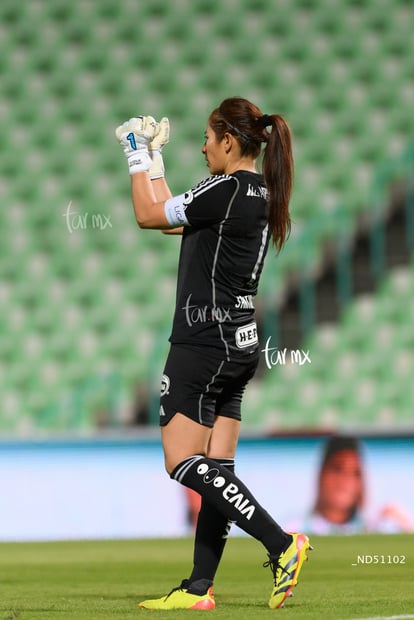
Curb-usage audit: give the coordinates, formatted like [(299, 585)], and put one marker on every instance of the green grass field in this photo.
[(102, 580)]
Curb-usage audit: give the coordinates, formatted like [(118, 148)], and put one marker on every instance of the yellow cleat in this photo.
[(183, 597), (286, 569)]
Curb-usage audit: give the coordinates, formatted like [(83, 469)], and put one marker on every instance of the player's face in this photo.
[(214, 152)]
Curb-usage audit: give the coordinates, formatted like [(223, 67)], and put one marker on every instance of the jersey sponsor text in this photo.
[(244, 302), (246, 335), (257, 192)]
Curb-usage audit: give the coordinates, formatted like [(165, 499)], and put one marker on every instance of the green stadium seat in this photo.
[(71, 72)]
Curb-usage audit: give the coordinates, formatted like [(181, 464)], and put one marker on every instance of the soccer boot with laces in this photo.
[(196, 596), (286, 568)]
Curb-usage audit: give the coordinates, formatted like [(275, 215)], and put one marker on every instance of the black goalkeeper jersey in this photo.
[(221, 259)]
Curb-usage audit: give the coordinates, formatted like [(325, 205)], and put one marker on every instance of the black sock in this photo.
[(210, 536), (221, 488)]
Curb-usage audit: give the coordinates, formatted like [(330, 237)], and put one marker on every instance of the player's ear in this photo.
[(228, 141)]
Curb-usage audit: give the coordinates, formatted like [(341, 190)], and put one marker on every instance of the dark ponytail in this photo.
[(246, 122), (277, 170)]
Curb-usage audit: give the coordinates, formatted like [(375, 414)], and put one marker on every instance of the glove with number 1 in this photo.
[(160, 139), (135, 137)]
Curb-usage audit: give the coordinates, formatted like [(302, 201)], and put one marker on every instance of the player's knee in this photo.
[(173, 463), (168, 467), (170, 463)]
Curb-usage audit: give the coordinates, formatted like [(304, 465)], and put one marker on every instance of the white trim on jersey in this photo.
[(261, 252), (213, 271), (175, 206), (208, 183)]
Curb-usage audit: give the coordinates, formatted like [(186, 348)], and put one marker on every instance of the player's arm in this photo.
[(173, 231), (142, 139), (163, 193), (157, 170), (166, 194), (159, 183), (149, 212)]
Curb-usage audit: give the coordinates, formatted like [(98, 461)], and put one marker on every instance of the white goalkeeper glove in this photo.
[(135, 137), (160, 139)]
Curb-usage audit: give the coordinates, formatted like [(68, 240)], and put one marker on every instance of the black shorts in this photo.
[(200, 384)]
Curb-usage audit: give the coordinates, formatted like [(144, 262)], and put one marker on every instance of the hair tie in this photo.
[(266, 120)]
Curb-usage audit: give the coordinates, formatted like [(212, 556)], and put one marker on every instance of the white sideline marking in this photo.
[(403, 617)]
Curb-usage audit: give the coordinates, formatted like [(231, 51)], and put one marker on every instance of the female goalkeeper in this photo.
[(226, 222)]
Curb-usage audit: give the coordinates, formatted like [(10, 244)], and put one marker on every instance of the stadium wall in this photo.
[(62, 490)]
